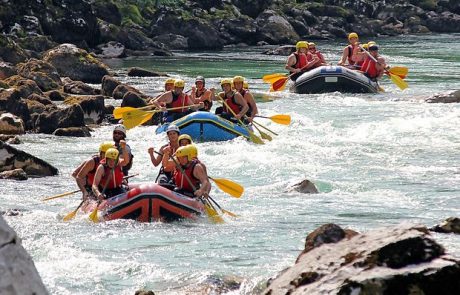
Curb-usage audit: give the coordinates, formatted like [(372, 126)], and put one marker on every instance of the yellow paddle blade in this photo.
[(229, 213), (232, 188), (281, 119), (213, 216), (136, 117), (400, 71), (60, 195), (93, 216), (398, 81), (270, 78), (118, 112), (263, 134), (70, 216), (254, 138)]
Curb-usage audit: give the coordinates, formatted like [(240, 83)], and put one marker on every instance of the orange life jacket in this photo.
[(369, 67), (178, 101), (113, 176), (181, 181)]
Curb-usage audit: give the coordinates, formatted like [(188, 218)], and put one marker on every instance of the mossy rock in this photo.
[(130, 12), (3, 85)]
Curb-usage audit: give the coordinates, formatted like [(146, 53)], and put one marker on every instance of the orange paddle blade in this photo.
[(279, 84)]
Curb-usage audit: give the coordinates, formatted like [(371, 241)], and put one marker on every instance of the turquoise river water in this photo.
[(377, 159)]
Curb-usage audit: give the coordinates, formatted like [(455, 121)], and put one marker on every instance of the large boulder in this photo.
[(445, 22), (24, 86), (73, 131), (43, 73), (6, 70), (10, 51), (19, 275), (109, 83), (78, 87), (107, 11), (450, 225), (11, 102), (304, 187), (111, 49), (36, 43), (275, 29), (10, 124), (72, 116), (12, 158), (76, 63), (120, 91), (140, 72), (92, 106), (402, 259)]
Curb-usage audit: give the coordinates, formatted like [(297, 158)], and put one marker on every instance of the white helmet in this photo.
[(120, 128), (173, 127)]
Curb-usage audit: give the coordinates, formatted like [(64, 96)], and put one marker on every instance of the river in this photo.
[(377, 159)]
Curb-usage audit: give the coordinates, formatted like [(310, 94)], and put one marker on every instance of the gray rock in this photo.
[(78, 87), (305, 187), (108, 85), (6, 70), (10, 124), (43, 73), (111, 49), (403, 259), (16, 174), (448, 97), (281, 50), (139, 72), (450, 225), (10, 101), (19, 275), (73, 131), (92, 106), (10, 51), (275, 29), (72, 116), (12, 158), (76, 63), (174, 41)]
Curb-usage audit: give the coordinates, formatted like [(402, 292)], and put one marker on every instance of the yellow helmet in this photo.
[(311, 44), (111, 153), (245, 85), (238, 79), (365, 46), (370, 43), (179, 83), (170, 81), (185, 136), (301, 44), (226, 81), (105, 146), (190, 151), (352, 35)]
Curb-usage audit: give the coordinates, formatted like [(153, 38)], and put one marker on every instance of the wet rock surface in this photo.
[(19, 275), (448, 97), (395, 260)]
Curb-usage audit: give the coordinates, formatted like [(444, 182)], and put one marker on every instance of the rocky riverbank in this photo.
[(119, 28)]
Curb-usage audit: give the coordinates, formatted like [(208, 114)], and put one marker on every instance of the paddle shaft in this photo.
[(239, 120), (260, 125)]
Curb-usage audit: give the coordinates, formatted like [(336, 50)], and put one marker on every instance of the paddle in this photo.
[(69, 193), (280, 119), (254, 138), (260, 125), (399, 71), (226, 185), (223, 210), (232, 188), (270, 78), (210, 210), (60, 195), (394, 78), (262, 134), (119, 111), (72, 214), (137, 117)]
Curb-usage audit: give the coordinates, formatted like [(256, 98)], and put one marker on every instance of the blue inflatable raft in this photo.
[(206, 126)]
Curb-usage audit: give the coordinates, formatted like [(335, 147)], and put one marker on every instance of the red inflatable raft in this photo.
[(147, 202)]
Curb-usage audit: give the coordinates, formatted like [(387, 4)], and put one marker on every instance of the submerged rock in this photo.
[(403, 259), (17, 174), (12, 158), (448, 97), (450, 225), (305, 187)]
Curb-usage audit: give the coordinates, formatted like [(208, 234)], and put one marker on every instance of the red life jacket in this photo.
[(178, 101), (181, 181), (114, 176), (231, 102), (369, 67), (92, 173), (301, 61), (243, 93), (350, 54)]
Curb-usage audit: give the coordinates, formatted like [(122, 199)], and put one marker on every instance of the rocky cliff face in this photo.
[(154, 26)]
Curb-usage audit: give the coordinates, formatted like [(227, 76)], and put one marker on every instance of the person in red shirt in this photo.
[(314, 52), (300, 61)]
